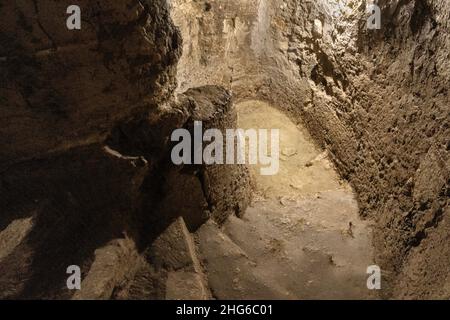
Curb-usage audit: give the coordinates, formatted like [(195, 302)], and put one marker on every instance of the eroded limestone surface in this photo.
[(376, 100)]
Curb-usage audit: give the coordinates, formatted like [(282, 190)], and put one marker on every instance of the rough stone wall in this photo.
[(379, 103), (227, 188), (64, 88), (409, 130), (377, 100), (225, 44), (383, 111)]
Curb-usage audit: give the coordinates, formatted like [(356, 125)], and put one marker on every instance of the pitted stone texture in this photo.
[(62, 88)]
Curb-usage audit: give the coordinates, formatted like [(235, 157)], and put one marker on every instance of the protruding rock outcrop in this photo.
[(86, 118), (64, 88)]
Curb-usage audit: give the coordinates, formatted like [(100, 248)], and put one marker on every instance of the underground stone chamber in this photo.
[(86, 176)]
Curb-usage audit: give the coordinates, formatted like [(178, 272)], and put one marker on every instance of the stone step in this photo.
[(112, 264), (231, 273), (169, 269), (13, 235)]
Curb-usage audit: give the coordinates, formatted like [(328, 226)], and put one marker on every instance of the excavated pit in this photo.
[(301, 238), (86, 176), (375, 100)]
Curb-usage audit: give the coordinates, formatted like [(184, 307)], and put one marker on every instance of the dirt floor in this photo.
[(301, 238)]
